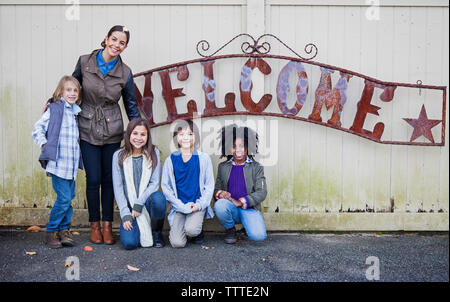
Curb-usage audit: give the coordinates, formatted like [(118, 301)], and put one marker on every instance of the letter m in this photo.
[(331, 97)]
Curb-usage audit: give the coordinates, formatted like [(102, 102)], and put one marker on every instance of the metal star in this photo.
[(422, 125)]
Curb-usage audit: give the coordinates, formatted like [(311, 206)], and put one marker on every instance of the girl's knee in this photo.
[(158, 204), (193, 231), (158, 197), (129, 245), (177, 243), (221, 205)]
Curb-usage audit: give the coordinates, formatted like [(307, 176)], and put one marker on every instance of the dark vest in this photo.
[(49, 151)]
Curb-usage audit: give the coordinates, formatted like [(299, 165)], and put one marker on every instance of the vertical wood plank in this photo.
[(384, 59), (334, 138), (366, 156), (317, 139), (350, 144), (8, 107), (417, 71), (433, 105), (399, 108), (444, 156), (302, 152), (23, 105), (2, 119)]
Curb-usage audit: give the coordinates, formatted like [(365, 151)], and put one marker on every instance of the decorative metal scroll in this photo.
[(257, 47), (332, 97)]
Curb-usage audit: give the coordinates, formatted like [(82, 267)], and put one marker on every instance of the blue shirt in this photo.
[(187, 175), (103, 66)]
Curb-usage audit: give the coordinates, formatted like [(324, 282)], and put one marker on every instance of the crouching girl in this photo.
[(136, 180), (240, 186)]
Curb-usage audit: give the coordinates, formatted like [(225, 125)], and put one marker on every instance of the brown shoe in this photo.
[(96, 234), (107, 232), (66, 238), (52, 240)]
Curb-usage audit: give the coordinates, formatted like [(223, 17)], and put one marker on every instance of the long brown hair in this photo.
[(148, 149), (60, 88)]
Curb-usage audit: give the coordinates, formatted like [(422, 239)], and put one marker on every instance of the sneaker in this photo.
[(66, 238), (199, 239), (230, 236), (52, 240)]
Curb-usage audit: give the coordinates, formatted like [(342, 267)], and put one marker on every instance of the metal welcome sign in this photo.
[(333, 97)]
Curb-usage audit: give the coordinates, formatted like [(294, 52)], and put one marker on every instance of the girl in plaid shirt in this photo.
[(56, 133)]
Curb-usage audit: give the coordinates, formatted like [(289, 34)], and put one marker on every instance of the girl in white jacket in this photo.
[(136, 173)]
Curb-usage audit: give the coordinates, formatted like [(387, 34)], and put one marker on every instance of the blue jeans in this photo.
[(252, 220), (62, 210), (156, 207)]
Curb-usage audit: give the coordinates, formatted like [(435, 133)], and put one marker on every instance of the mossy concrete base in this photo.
[(274, 221), (80, 219), (357, 221)]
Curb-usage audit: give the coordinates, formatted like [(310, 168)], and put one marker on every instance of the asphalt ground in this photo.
[(282, 257)]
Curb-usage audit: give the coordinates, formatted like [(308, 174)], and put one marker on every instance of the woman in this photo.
[(240, 186), (104, 79)]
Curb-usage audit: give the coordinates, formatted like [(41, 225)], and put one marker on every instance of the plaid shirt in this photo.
[(68, 152)]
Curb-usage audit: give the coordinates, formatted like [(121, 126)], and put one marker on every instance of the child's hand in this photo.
[(45, 107), (135, 214), (225, 195), (127, 225), (194, 208), (237, 203)]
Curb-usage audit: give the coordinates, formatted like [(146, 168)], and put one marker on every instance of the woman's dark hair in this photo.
[(119, 28), (183, 124), (148, 149), (230, 133)]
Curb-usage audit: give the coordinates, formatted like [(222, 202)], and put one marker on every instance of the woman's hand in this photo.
[(135, 214), (127, 225)]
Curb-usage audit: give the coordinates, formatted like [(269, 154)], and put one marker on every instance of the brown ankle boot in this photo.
[(96, 234), (107, 232), (52, 240), (66, 238)]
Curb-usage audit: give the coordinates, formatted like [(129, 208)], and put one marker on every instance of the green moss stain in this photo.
[(301, 192), (9, 146)]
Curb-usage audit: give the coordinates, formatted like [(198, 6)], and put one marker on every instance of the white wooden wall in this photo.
[(323, 170)]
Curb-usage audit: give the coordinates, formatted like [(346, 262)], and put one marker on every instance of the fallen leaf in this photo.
[(30, 253), (132, 268), (75, 233), (33, 228), (87, 248)]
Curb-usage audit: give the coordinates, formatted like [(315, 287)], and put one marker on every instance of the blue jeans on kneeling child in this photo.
[(252, 220), (156, 207)]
